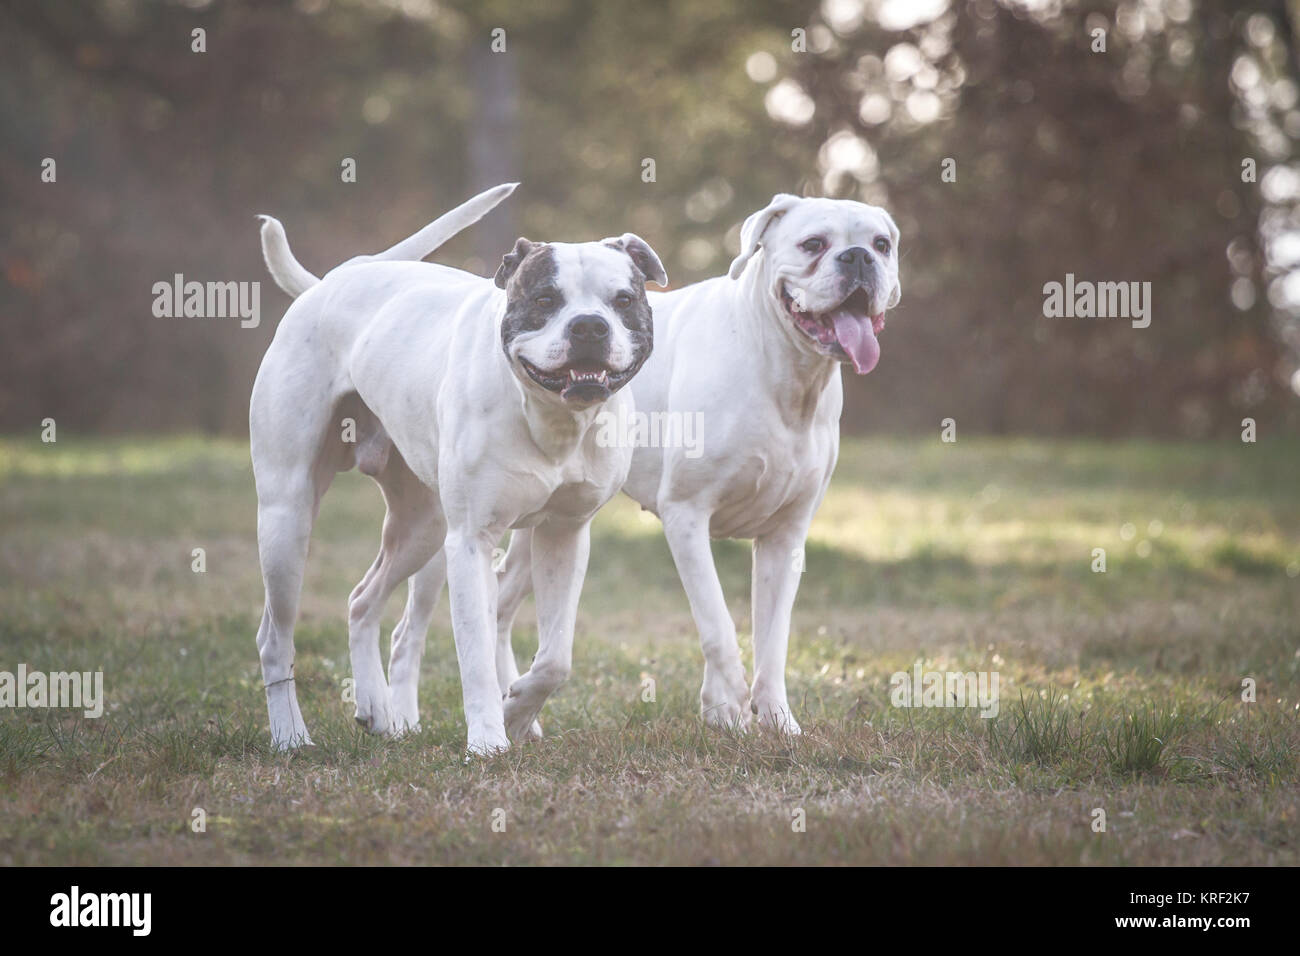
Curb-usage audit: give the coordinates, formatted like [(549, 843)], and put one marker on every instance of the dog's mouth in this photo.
[(582, 381), (846, 332)]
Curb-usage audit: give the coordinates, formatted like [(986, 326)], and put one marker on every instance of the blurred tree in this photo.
[(1113, 166), (1123, 165)]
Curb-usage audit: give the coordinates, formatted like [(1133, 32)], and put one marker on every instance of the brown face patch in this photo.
[(637, 317), (511, 260), (532, 295)]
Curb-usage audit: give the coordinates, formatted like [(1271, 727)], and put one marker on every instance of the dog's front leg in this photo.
[(561, 552), (724, 696), (778, 565), (472, 586), (514, 582)]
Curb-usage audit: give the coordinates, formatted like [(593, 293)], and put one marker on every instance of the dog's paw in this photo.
[(523, 701), (406, 716), (521, 718), (775, 715), (291, 741), (724, 699), (486, 745), (404, 728), (525, 733), (288, 732), (374, 711)]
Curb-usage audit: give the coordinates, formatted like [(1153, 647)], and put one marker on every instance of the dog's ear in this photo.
[(642, 256), (751, 233), (510, 261)]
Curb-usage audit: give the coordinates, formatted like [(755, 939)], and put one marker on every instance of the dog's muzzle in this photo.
[(587, 376), (849, 330)]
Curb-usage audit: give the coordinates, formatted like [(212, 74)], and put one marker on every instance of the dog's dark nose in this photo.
[(854, 256), (588, 328), (856, 265)]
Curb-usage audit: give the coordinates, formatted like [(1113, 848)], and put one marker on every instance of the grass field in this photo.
[(1120, 691)]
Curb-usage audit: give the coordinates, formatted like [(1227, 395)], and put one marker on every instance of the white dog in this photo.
[(757, 357), (471, 403)]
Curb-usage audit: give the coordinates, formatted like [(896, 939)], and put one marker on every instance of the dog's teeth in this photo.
[(601, 376)]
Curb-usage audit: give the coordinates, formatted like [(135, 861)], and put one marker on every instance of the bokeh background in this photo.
[(1117, 166), (1078, 438)]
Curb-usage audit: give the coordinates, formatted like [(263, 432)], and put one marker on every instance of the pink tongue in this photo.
[(858, 339)]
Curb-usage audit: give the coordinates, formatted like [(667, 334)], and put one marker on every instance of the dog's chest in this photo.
[(574, 501), (574, 489), (773, 482)]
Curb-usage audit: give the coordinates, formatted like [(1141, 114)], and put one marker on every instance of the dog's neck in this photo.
[(556, 430), (805, 378)]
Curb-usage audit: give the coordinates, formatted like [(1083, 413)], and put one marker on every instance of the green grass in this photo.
[(1119, 690)]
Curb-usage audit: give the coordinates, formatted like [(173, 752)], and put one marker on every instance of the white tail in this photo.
[(293, 278), (287, 271)]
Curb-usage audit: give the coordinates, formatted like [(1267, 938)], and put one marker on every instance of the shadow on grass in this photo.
[(630, 565)]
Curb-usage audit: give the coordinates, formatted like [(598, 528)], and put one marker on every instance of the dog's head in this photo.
[(577, 325), (831, 265)]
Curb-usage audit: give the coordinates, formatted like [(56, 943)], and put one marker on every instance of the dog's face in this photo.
[(832, 266), (577, 324)]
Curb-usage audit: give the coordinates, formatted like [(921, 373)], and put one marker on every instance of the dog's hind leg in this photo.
[(283, 529), (412, 534), (288, 501), (516, 580), (294, 462), (407, 644)]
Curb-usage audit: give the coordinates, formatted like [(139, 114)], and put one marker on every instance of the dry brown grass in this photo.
[(969, 557)]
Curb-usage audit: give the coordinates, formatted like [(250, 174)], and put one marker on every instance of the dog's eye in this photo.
[(622, 300), (882, 245), (544, 300), (812, 246)]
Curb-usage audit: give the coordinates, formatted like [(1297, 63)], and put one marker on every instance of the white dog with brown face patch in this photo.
[(757, 357), (472, 403)]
